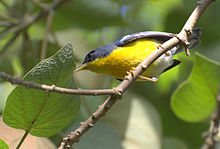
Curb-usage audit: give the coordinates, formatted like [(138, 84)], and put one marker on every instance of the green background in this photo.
[(144, 117)]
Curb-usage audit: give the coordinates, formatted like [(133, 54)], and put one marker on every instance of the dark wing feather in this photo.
[(160, 36), (175, 63)]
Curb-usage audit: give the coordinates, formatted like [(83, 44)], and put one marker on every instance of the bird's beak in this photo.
[(81, 67)]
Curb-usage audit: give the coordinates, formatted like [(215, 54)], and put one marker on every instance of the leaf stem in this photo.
[(22, 139)]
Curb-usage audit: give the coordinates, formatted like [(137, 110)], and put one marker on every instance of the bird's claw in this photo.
[(131, 71)]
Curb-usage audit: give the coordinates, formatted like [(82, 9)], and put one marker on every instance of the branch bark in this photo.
[(53, 88), (212, 138), (181, 38), (45, 41)]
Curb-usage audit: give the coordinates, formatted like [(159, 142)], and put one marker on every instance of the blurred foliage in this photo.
[(3, 145), (104, 13), (89, 24)]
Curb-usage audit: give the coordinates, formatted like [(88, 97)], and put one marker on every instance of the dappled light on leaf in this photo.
[(195, 99), (38, 112)]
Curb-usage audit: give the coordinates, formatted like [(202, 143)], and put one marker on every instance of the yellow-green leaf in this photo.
[(195, 99)]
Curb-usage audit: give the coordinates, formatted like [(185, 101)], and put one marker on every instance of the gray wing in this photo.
[(160, 36)]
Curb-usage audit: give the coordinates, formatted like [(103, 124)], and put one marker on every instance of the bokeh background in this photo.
[(143, 118)]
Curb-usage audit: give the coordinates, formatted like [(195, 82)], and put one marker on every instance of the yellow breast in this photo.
[(124, 58)]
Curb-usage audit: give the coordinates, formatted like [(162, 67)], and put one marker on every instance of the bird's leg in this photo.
[(153, 79), (131, 71)]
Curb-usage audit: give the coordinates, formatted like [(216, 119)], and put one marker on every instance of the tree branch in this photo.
[(29, 20), (212, 138), (53, 88), (181, 38), (48, 26)]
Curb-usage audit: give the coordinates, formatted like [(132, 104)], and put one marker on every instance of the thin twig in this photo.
[(25, 6), (53, 35), (123, 86), (29, 20), (53, 88), (8, 19), (45, 40), (212, 138), (39, 4), (5, 4), (5, 24)]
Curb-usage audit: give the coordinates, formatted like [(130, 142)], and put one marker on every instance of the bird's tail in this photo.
[(193, 40)]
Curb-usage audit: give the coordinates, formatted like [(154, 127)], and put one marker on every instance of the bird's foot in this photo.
[(131, 71), (153, 79), (159, 46)]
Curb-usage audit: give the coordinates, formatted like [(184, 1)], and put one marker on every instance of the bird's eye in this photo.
[(90, 56)]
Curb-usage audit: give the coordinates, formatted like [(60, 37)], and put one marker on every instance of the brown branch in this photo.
[(5, 24), (6, 6), (45, 41), (212, 138), (10, 20), (181, 38), (39, 4), (53, 88), (55, 39)]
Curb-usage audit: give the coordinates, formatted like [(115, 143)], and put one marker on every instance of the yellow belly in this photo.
[(122, 59)]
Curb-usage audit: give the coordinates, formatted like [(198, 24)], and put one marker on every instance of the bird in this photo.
[(120, 57)]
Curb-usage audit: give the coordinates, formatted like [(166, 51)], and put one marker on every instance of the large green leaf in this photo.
[(3, 145), (38, 112), (195, 99)]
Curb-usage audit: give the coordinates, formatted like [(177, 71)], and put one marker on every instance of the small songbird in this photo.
[(122, 56)]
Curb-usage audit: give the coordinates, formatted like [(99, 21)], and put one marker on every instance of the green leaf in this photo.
[(40, 113), (3, 145), (195, 99), (30, 55)]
